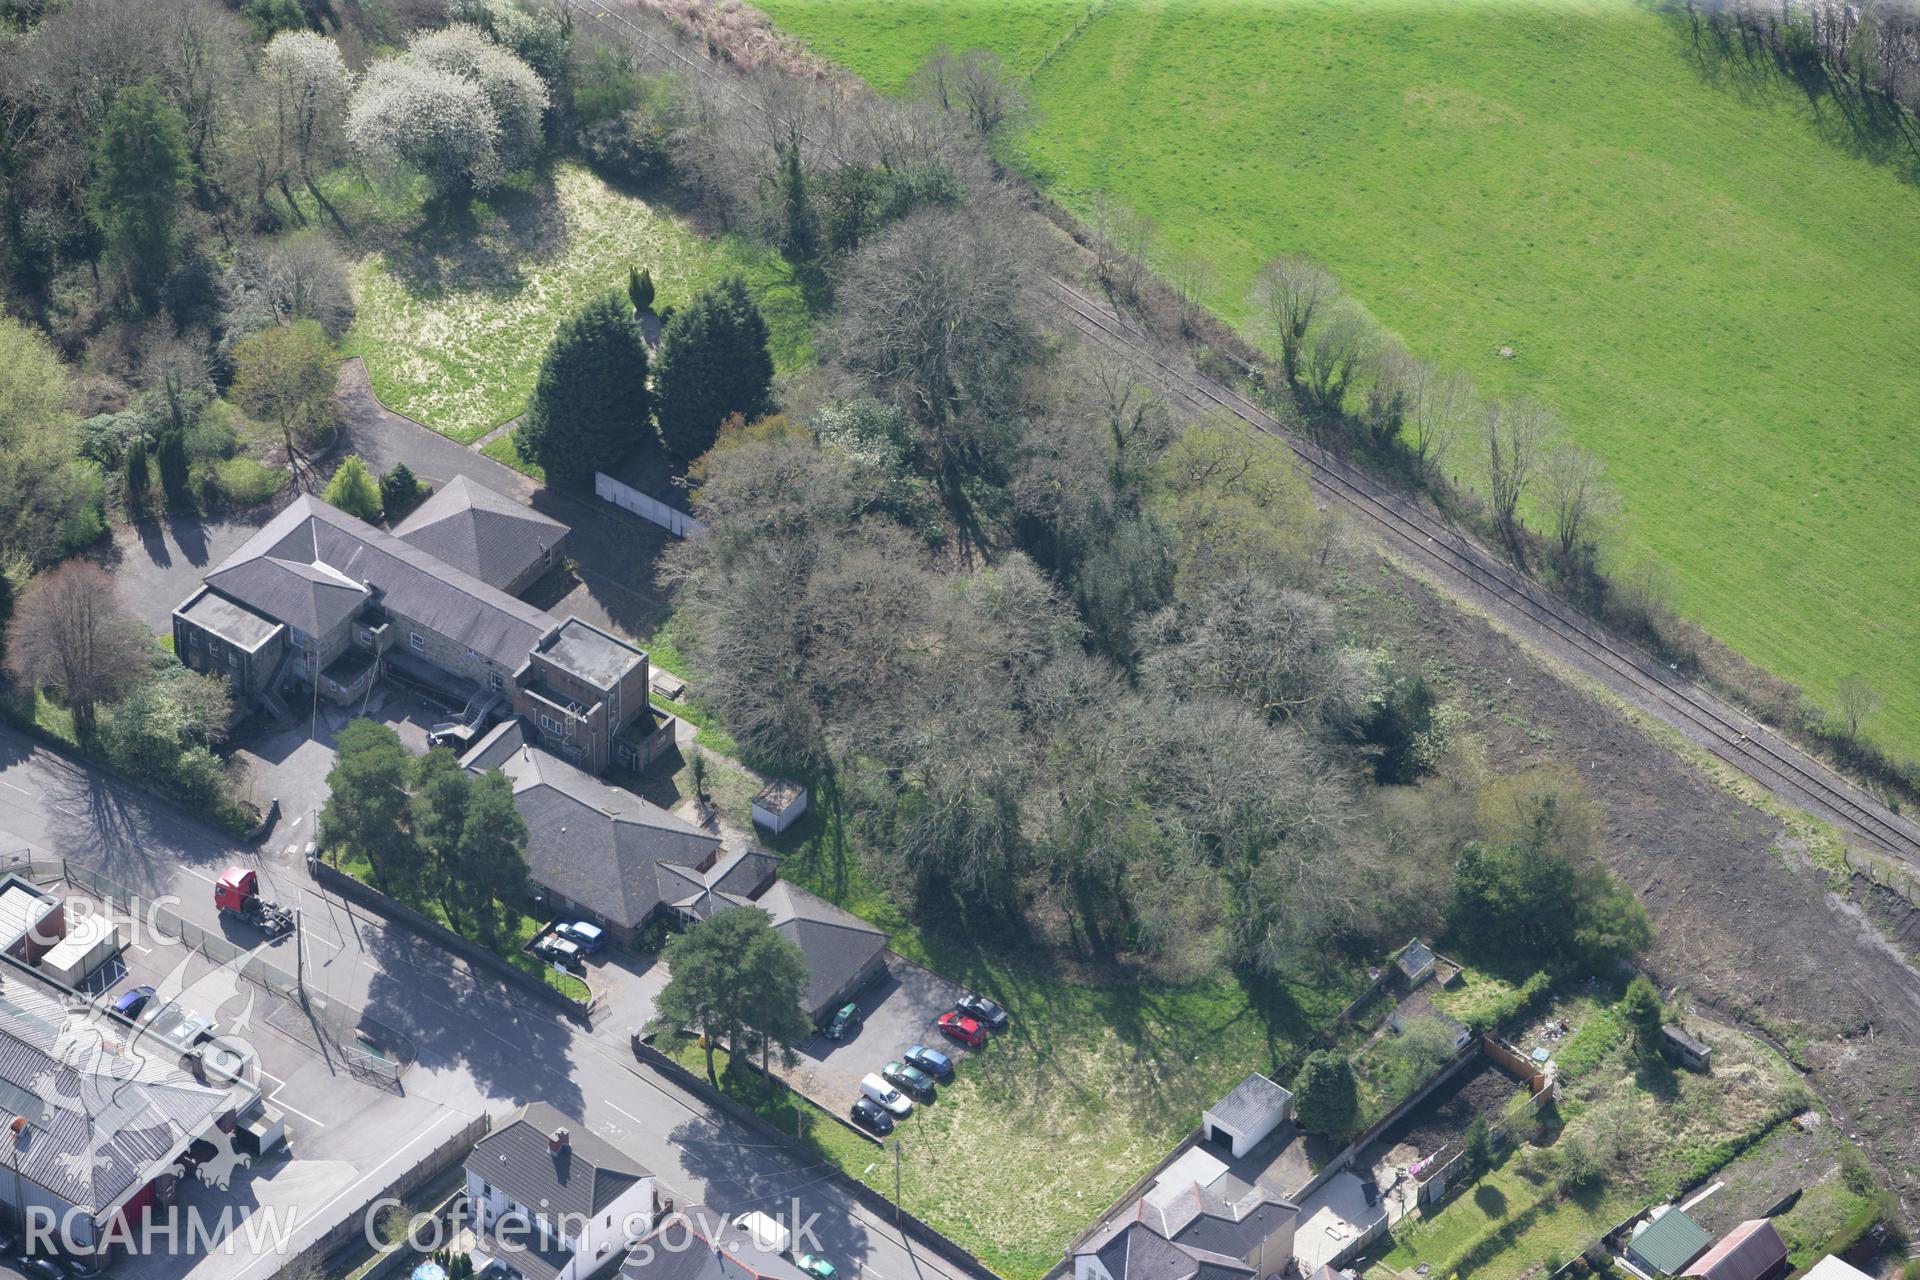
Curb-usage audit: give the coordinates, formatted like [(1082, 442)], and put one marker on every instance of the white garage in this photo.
[(1256, 1107)]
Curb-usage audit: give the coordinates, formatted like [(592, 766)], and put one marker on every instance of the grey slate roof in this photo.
[(593, 842), (837, 944), (699, 1243), (1256, 1103), (586, 1177), (480, 532), (100, 1116), (1198, 1237), (308, 565)]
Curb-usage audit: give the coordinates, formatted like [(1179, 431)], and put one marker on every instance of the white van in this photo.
[(886, 1095), (767, 1234)]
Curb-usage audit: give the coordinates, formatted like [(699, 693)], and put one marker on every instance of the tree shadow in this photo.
[(1845, 114), (1490, 1200), (480, 244)]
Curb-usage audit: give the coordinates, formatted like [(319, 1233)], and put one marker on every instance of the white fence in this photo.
[(628, 498)]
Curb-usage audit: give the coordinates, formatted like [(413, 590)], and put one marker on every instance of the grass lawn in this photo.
[(453, 321), (1699, 268)]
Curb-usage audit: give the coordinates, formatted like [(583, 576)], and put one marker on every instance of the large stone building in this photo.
[(320, 599)]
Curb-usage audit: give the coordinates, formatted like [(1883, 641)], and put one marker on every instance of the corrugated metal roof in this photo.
[(1747, 1252), (1670, 1242)]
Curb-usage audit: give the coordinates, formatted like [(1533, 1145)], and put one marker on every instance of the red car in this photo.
[(958, 1026)]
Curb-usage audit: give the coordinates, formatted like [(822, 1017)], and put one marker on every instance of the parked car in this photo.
[(818, 1267), (558, 949), (932, 1061), (84, 1265), (43, 1269), (958, 1026), (984, 1011), (871, 1114), (132, 1002), (844, 1023), (908, 1079), (886, 1095), (588, 937)]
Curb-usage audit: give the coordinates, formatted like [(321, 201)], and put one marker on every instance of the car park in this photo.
[(588, 937), (908, 1079), (932, 1061), (958, 1026), (845, 1022), (818, 1267), (872, 1115), (984, 1011), (886, 1095), (130, 1003)]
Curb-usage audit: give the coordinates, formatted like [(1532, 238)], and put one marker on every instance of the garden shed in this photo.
[(1256, 1107)]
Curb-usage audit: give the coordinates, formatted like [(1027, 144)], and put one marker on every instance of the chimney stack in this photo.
[(559, 1142)]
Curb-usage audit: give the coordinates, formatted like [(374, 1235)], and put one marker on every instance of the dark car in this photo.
[(872, 1115), (984, 1011), (844, 1023), (912, 1079), (132, 1002), (83, 1265), (958, 1026), (932, 1061), (43, 1269)]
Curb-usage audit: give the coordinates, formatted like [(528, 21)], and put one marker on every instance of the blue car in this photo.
[(932, 1061), (132, 1002)]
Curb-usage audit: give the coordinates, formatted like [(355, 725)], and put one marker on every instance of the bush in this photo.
[(243, 482), (1325, 1098), (399, 488), (1478, 1147), (353, 491), (1580, 1166)]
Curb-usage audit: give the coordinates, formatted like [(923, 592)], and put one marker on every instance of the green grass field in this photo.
[(1697, 267), (453, 326)]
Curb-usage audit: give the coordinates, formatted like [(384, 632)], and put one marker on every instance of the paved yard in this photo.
[(901, 1009), (344, 1134), (158, 563)]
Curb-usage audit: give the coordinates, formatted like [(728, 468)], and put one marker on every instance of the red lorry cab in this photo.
[(237, 887)]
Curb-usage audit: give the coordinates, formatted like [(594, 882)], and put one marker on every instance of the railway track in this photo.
[(1733, 737)]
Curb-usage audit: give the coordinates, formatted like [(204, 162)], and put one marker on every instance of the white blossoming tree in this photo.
[(306, 84), (455, 107)]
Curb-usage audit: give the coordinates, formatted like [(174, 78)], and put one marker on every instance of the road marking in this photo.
[(628, 1114), (288, 1106), (22, 790), (199, 874)]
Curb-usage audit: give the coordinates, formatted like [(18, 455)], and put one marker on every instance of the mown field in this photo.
[(453, 322), (1704, 270)]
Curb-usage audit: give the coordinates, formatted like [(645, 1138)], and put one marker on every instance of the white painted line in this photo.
[(288, 1106), (22, 790), (145, 951), (199, 874), (628, 1114)]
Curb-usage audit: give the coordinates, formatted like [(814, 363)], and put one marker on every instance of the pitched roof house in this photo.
[(484, 534), (1196, 1222), (554, 1202), (698, 1243), (1751, 1251), (605, 853)]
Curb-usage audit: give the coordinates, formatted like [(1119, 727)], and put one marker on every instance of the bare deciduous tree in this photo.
[(974, 85), (1516, 436), (1857, 700), (1190, 276), (1393, 385), (72, 633), (1340, 346), (1577, 495), (1123, 241), (1289, 294), (1439, 403)]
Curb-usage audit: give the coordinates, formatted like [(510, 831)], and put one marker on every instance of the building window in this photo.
[(233, 660), (473, 653), (193, 639), (551, 725), (297, 637), (418, 641), (366, 639), (497, 680)]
